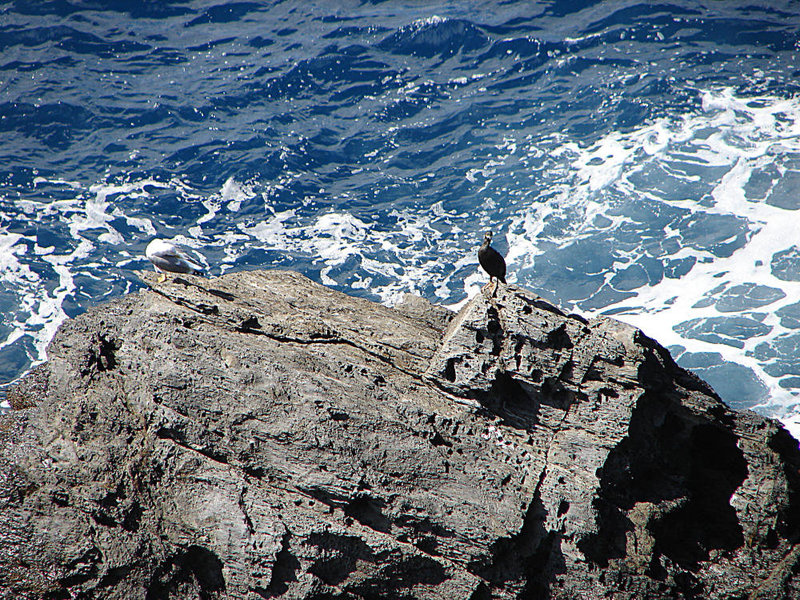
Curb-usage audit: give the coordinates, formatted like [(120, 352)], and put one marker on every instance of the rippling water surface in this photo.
[(634, 159)]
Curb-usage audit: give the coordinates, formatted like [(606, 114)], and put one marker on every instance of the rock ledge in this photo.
[(258, 435)]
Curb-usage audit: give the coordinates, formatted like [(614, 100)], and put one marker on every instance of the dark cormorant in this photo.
[(491, 260)]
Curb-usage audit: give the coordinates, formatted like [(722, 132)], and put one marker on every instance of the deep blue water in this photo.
[(638, 159)]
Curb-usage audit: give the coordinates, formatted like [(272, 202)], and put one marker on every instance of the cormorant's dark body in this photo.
[(491, 260)]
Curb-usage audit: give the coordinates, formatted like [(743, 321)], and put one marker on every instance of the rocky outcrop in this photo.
[(260, 436)]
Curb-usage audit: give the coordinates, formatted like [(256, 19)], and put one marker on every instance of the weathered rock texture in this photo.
[(260, 436)]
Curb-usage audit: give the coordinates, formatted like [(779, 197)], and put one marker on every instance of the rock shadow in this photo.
[(518, 403), (678, 467), (524, 565), (341, 556), (194, 573)]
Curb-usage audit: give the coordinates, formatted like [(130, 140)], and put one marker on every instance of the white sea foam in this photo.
[(333, 238), (91, 218), (792, 423), (231, 196), (38, 312), (724, 145)]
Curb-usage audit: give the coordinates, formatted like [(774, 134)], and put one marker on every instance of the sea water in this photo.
[(633, 159)]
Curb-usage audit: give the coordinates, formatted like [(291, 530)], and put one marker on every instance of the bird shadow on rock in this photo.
[(220, 294), (227, 296)]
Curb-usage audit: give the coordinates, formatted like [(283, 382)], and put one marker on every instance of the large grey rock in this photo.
[(260, 436)]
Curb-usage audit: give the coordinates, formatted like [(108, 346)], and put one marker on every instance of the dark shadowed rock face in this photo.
[(260, 436)]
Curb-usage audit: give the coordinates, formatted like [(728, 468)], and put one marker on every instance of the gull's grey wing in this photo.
[(174, 260)]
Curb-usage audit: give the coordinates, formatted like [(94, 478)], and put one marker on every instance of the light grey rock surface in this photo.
[(258, 435)]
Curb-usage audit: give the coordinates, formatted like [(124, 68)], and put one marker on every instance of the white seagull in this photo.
[(169, 258)]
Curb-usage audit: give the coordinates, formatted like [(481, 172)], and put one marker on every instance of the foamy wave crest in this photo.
[(31, 310), (62, 249), (687, 229), (350, 252)]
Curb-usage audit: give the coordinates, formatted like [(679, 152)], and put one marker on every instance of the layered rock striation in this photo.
[(258, 435)]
